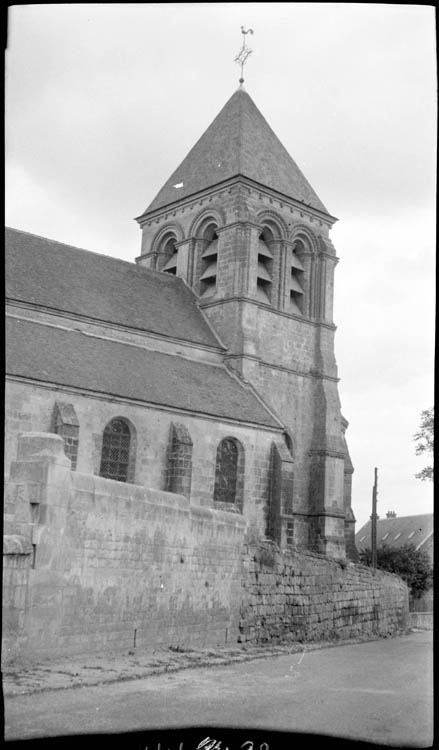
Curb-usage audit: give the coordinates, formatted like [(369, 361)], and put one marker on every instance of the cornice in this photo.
[(112, 398), (273, 195), (183, 203)]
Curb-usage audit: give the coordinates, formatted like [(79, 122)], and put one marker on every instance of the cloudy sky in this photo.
[(104, 101)]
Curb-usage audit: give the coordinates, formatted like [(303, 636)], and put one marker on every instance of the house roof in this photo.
[(238, 142), (64, 278), (396, 532), (40, 352)]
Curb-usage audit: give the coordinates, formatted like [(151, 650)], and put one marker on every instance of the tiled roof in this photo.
[(396, 532), (71, 358), (44, 272), (238, 142)]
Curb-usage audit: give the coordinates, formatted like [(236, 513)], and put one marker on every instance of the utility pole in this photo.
[(373, 518)]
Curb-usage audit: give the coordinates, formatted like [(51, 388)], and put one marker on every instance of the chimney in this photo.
[(390, 514)]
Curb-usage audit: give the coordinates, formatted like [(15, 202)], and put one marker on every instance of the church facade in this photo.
[(207, 368)]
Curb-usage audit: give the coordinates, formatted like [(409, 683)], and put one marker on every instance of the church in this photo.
[(189, 398), (207, 367)]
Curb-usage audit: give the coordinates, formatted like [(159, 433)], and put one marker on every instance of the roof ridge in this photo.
[(160, 378), (400, 518), (62, 277), (142, 269), (65, 244)]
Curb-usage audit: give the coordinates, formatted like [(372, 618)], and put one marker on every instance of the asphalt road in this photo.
[(379, 692)]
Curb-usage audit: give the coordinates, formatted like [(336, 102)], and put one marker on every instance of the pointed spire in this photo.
[(238, 142)]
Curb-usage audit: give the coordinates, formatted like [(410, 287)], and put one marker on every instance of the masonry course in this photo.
[(305, 597)]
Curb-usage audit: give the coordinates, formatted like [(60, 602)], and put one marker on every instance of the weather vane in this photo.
[(244, 52)]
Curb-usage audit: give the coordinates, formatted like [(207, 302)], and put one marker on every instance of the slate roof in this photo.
[(71, 358), (238, 142), (64, 278), (396, 532)]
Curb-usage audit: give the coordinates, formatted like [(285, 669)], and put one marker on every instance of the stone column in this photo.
[(285, 249)]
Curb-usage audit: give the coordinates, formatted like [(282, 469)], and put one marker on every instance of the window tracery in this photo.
[(115, 456), (229, 475)]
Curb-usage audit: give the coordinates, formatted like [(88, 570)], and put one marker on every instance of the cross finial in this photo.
[(244, 52)]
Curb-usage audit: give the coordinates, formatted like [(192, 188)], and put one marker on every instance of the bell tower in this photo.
[(241, 224)]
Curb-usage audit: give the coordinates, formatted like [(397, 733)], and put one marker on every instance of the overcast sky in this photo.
[(104, 101)]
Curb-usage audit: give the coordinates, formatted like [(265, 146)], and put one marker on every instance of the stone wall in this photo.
[(94, 565), (30, 407), (290, 596)]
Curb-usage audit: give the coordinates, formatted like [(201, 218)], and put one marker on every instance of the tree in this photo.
[(425, 442), (412, 565)]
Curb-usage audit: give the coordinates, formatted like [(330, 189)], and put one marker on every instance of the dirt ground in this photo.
[(89, 669), (373, 692)]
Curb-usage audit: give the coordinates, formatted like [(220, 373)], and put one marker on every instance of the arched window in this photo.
[(229, 475), (179, 463), (115, 456), (167, 256), (209, 261), (264, 283), (296, 280)]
